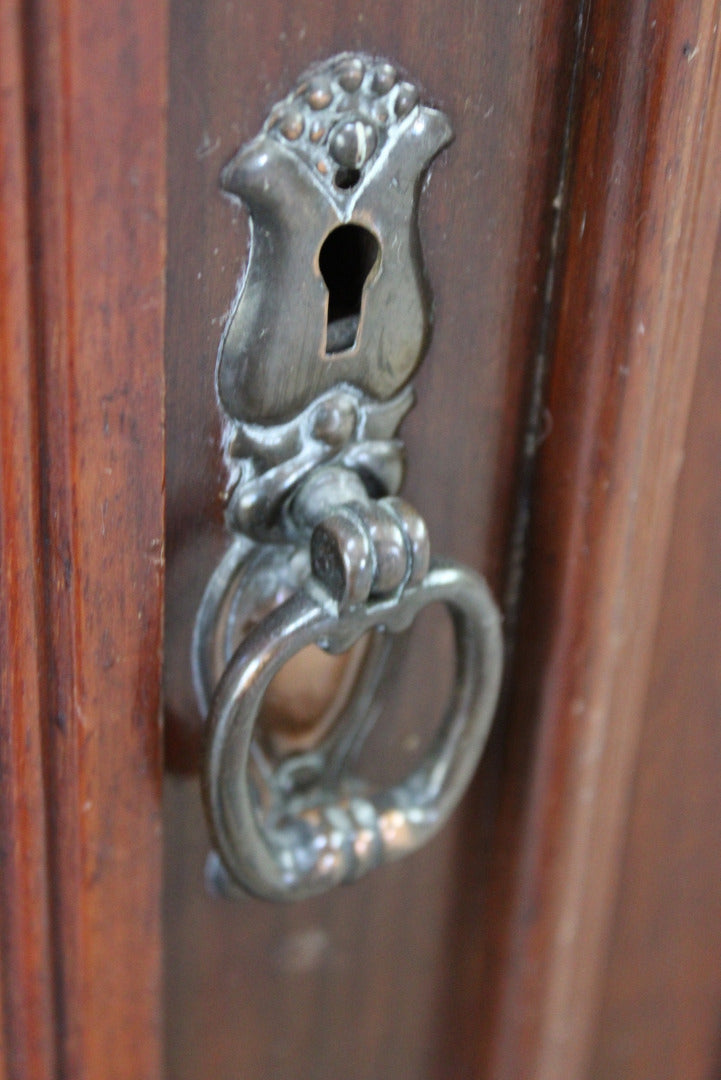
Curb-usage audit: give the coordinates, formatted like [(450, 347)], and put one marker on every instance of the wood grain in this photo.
[(427, 970), (83, 431), (643, 214), (27, 1041), (351, 984), (662, 994)]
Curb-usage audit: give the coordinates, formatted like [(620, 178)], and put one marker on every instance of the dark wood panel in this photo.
[(661, 1013), (352, 984), (82, 475), (643, 212), (27, 1041)]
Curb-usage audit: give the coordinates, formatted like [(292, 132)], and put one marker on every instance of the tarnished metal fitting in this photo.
[(331, 320)]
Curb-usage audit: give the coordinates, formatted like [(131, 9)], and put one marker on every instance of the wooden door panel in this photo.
[(353, 983), (569, 236)]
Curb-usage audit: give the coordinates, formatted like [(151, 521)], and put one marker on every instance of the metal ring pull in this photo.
[(330, 322), (284, 841)]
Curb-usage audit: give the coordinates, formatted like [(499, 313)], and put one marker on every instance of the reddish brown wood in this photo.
[(350, 984), (83, 469), (385, 979), (643, 213), (662, 997), (26, 1014)]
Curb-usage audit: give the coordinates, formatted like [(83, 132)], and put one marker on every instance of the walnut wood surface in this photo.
[(643, 214), (351, 984), (662, 994), (82, 470), (486, 954)]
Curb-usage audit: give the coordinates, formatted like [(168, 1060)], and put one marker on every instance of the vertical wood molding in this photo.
[(662, 990), (92, 463), (26, 1025), (643, 211)]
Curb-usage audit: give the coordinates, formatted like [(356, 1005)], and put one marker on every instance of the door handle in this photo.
[(330, 323)]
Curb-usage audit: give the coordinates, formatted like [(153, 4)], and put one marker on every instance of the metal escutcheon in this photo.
[(330, 322)]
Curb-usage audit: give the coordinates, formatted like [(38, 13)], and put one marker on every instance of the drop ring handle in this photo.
[(288, 845), (330, 322)]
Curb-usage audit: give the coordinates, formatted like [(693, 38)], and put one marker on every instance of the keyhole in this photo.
[(346, 259)]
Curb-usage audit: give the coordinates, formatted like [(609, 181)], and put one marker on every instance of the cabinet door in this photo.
[(543, 450), (566, 400)]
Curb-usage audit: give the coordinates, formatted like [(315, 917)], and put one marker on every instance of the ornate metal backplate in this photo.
[(330, 323), (332, 184)]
